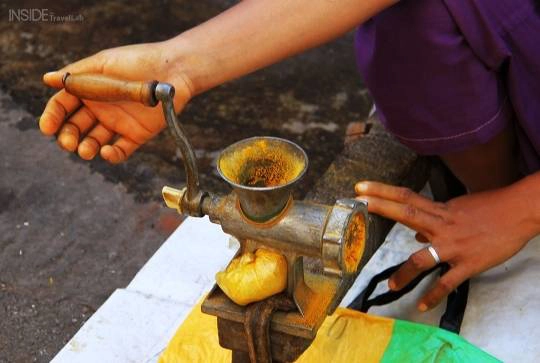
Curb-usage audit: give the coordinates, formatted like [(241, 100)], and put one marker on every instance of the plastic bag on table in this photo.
[(346, 336)]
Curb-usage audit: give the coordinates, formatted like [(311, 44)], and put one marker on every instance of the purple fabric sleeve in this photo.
[(431, 89)]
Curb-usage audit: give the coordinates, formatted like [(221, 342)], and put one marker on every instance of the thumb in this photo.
[(92, 64), (54, 79)]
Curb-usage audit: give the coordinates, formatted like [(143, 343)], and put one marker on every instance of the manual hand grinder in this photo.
[(260, 211)]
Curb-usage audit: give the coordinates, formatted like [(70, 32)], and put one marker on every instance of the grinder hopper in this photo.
[(262, 172)]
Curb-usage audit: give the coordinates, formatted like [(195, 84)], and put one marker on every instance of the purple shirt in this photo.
[(450, 74)]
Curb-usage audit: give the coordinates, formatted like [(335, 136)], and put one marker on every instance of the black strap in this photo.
[(363, 303), (455, 306), (456, 303)]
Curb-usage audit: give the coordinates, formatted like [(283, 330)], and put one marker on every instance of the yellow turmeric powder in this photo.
[(254, 277)]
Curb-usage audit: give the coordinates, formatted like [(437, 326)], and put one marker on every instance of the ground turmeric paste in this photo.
[(254, 277), (261, 164), (354, 243)]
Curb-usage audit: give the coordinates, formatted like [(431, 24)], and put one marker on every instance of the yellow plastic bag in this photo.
[(254, 277), (346, 336), (196, 340)]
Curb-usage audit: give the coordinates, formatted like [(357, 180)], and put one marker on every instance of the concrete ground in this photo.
[(70, 231)]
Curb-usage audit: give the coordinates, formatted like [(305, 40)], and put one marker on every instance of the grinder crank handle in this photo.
[(97, 87)]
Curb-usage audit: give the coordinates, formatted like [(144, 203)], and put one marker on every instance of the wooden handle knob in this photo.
[(97, 87)]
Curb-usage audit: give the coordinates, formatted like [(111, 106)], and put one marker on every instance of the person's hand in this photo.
[(471, 233), (116, 129)]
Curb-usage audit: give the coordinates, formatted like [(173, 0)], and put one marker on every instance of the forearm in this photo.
[(254, 34)]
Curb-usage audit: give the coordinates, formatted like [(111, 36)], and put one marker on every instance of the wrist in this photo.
[(182, 65), (529, 189), (171, 68)]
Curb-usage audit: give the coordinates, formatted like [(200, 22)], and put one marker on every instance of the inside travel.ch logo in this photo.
[(41, 15)]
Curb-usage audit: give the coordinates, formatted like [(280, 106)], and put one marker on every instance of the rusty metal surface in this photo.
[(284, 347), (257, 326), (307, 229), (292, 323), (285, 233)]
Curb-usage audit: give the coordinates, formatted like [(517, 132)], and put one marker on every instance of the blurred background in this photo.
[(71, 231)]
